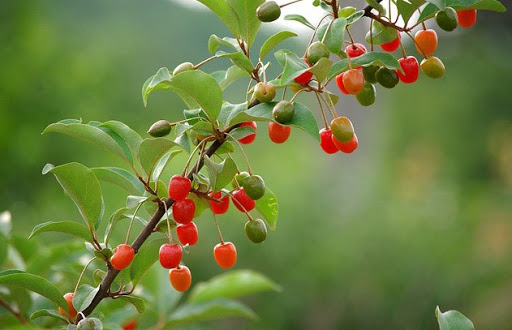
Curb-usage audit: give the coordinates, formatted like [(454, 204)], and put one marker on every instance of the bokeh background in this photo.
[(420, 215)]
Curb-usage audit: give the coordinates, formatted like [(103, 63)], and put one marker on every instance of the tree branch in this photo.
[(368, 13), (12, 311)]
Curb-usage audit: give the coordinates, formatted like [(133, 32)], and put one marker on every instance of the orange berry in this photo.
[(123, 256), (72, 311), (426, 42), (353, 81), (180, 278), (225, 254)]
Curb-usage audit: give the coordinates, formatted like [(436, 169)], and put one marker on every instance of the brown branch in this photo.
[(17, 314), (104, 290), (368, 13)]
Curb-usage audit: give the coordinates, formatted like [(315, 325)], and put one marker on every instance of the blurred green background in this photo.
[(420, 215)]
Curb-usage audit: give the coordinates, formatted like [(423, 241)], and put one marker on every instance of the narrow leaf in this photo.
[(121, 178), (48, 313), (247, 19), (275, 40), (138, 303), (84, 296), (151, 151), (67, 227), (301, 19), (453, 320)]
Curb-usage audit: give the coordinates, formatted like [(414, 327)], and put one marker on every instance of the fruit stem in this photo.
[(289, 3), (243, 153), (131, 223), (314, 34), (210, 138), (371, 35), (322, 111), (404, 54), (326, 31), (331, 107), (198, 65), (218, 229), (349, 35), (82, 274), (168, 222), (186, 120), (414, 40), (298, 92), (243, 207)]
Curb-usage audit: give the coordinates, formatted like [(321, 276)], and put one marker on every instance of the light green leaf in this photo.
[(84, 296), (441, 4), (202, 204), (406, 9), (380, 34), (121, 178), (371, 58), (321, 68), (301, 19), (67, 227), (48, 313), (430, 10), (151, 151), (226, 77), (82, 186), (229, 111), (335, 34), (375, 4), (294, 66), (220, 174), (453, 320), (215, 42), (183, 141), (239, 59), (275, 40), (120, 131), (247, 19), (145, 258), (233, 284), (138, 303), (3, 248), (33, 283), (355, 17), (226, 14), (164, 161), (268, 207)]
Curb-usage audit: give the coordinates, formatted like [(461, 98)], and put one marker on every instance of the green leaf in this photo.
[(226, 13), (138, 303), (26, 248), (275, 40), (375, 4), (233, 284), (226, 77), (430, 9), (202, 127), (380, 34), (441, 4), (82, 186), (229, 111), (183, 141), (84, 296), (48, 313), (212, 310), (294, 66), (34, 283), (215, 42), (67, 227), (3, 248), (151, 151), (202, 204), (407, 9), (220, 174), (121, 178), (321, 68), (355, 17), (145, 258), (335, 34), (453, 320), (247, 19), (164, 161), (301, 19), (239, 59), (371, 58), (303, 117), (268, 207), (119, 130)]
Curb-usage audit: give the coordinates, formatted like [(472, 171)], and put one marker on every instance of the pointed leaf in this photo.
[(215, 42), (247, 19), (268, 207), (145, 258), (275, 40), (335, 34), (430, 9), (301, 19), (371, 58), (121, 178), (453, 320), (151, 151), (48, 313), (220, 174), (226, 14), (128, 136), (84, 296), (239, 59), (164, 161), (138, 303), (67, 227), (226, 78)]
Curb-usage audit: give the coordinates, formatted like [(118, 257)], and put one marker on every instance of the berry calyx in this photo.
[(283, 112), (122, 257), (256, 230), (187, 233), (316, 51), (179, 187), (219, 207), (426, 42), (367, 95), (348, 147), (326, 142), (278, 133), (466, 18), (249, 138), (71, 313), (369, 73), (386, 77), (264, 92), (225, 254), (433, 67), (411, 69), (170, 255), (392, 45), (183, 211), (186, 66), (242, 201), (447, 19), (305, 77), (254, 187), (353, 80), (268, 11), (339, 82), (342, 129), (180, 278), (160, 128), (355, 49)]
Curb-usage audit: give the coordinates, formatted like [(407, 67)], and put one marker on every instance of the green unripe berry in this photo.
[(433, 67), (187, 66), (254, 187), (316, 51), (386, 77), (283, 112), (447, 19), (160, 128), (264, 92), (369, 73), (240, 179), (256, 230), (342, 129), (346, 11), (367, 96), (268, 11)]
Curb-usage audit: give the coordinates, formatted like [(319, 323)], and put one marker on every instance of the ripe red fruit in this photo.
[(179, 187), (72, 311), (411, 69), (304, 78), (187, 233), (219, 207), (249, 138), (348, 147), (392, 45), (466, 18), (355, 50), (130, 325), (183, 211), (225, 254), (180, 278), (326, 141), (241, 200), (122, 257), (170, 255), (353, 80), (278, 133), (339, 82)]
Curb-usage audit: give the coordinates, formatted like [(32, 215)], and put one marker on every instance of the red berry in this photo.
[(123, 256), (180, 278), (353, 80), (326, 141), (304, 78), (130, 325), (72, 311), (183, 211), (225, 254), (348, 147), (278, 133), (392, 45), (355, 50), (187, 233), (466, 18), (179, 187), (170, 255), (241, 200), (339, 82), (219, 207), (249, 138), (411, 69)]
